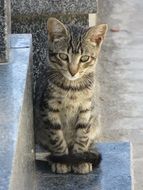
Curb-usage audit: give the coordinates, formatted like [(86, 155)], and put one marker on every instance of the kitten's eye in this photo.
[(84, 58), (63, 56)]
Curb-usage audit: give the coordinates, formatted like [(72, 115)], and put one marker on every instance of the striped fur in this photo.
[(68, 124)]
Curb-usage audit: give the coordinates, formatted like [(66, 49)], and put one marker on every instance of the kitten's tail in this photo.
[(77, 158)]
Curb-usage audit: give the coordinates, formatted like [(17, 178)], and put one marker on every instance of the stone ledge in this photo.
[(114, 172), (16, 117), (20, 41)]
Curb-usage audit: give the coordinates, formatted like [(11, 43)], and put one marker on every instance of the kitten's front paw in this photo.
[(82, 168), (60, 168)]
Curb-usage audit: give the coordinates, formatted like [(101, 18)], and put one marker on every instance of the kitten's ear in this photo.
[(96, 34), (56, 29)]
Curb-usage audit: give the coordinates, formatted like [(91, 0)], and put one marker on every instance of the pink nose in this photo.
[(73, 69), (73, 72)]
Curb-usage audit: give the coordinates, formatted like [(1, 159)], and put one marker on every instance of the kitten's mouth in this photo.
[(72, 78)]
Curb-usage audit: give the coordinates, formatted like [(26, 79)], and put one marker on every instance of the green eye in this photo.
[(63, 56), (84, 58)]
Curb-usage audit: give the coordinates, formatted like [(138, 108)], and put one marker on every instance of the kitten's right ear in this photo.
[(96, 34), (56, 30)]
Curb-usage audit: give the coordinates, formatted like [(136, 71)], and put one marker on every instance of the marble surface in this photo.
[(16, 116), (55, 7), (5, 18), (112, 174)]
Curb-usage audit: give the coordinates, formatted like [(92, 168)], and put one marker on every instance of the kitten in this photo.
[(68, 125)]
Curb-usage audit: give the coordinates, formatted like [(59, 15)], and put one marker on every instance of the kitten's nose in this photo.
[(73, 69), (72, 72)]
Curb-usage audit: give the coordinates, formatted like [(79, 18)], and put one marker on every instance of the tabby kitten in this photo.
[(68, 125)]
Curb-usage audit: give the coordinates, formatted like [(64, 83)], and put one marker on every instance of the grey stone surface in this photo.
[(112, 174), (27, 7), (22, 42), (16, 118), (5, 18)]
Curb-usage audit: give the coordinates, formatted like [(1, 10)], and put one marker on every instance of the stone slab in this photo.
[(114, 172), (20, 41), (16, 119), (5, 18), (55, 7)]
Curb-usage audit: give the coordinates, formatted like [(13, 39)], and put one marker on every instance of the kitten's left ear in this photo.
[(96, 34), (56, 29)]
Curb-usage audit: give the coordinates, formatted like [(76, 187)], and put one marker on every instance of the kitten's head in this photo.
[(73, 51)]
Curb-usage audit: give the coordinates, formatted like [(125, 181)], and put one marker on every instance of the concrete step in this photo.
[(114, 172), (16, 117)]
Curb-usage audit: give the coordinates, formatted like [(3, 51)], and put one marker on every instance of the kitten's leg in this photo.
[(83, 126), (82, 144), (55, 138), (58, 146), (82, 139)]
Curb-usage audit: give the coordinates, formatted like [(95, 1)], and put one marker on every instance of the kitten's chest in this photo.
[(72, 102), (69, 114), (70, 107)]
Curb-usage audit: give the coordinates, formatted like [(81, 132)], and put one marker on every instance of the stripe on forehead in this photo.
[(76, 36)]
